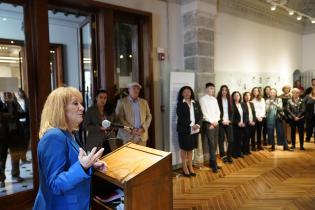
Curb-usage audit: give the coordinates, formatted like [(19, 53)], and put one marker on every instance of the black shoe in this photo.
[(215, 170), (219, 167), (18, 179), (2, 184), (230, 159), (273, 148), (307, 140), (225, 159), (235, 156), (292, 147), (260, 148), (241, 156), (193, 174), (287, 149), (302, 148), (254, 149)]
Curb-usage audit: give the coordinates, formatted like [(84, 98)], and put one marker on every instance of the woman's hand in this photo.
[(195, 127), (87, 161), (100, 165)]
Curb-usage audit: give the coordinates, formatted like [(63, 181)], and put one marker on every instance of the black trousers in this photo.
[(250, 137), (310, 124), (265, 131), (239, 139), (225, 131), (300, 126), (258, 127)]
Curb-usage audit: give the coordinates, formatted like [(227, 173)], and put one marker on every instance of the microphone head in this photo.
[(106, 124)]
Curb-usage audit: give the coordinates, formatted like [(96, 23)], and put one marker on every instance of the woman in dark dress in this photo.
[(188, 127), (97, 135), (240, 120)]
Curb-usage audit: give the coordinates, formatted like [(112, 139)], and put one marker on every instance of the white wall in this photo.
[(308, 52), (246, 51)]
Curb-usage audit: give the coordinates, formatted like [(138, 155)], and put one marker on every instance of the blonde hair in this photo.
[(54, 113), (286, 87), (295, 90)]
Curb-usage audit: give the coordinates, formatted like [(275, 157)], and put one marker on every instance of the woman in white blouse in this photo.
[(260, 108)]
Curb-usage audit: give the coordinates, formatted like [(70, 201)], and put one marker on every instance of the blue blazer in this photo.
[(63, 183)]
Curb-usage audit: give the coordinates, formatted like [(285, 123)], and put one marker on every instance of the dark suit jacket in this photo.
[(183, 114), (237, 116), (309, 108)]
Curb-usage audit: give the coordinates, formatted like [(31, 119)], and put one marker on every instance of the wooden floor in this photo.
[(263, 180)]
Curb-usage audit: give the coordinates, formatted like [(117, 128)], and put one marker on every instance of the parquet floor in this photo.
[(262, 180)]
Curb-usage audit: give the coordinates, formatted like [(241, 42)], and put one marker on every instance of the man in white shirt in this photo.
[(211, 115)]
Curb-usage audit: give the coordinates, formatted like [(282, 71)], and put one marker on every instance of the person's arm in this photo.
[(302, 112), (53, 161), (203, 107), (279, 104), (199, 114), (180, 114), (148, 117), (217, 113), (121, 116)]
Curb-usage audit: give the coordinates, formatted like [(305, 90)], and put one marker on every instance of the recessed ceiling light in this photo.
[(4, 19), (291, 12), (299, 17), (273, 7)]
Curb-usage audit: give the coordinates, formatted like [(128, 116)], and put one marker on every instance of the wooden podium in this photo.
[(144, 174)]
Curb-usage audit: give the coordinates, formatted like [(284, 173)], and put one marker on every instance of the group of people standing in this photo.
[(132, 112), (14, 133), (246, 122)]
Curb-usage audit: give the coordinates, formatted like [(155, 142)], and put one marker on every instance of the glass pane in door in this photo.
[(127, 64), (87, 66), (16, 173)]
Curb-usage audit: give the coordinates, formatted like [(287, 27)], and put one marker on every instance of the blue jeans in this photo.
[(281, 139)]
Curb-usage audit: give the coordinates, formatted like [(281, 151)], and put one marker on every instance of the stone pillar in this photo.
[(198, 21)]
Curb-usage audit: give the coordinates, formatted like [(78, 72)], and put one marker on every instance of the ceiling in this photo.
[(305, 6)]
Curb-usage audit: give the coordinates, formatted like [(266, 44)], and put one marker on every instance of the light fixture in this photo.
[(282, 4), (130, 56), (4, 19), (121, 56), (12, 42)]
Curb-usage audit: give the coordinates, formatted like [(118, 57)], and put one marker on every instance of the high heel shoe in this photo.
[(186, 175)]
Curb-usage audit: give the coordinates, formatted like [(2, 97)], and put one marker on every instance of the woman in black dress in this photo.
[(188, 126)]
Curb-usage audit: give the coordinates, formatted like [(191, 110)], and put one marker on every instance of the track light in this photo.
[(291, 12), (299, 17), (273, 7), (313, 20)]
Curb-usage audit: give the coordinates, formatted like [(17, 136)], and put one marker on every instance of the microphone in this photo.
[(108, 124)]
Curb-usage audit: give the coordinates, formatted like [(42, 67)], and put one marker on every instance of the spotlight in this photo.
[(299, 17), (291, 12), (313, 20), (273, 7)]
